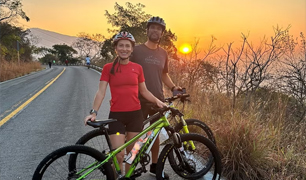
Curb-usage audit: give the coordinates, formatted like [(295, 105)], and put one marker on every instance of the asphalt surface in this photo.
[(52, 120)]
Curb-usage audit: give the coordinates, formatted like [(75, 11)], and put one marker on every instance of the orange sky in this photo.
[(224, 19)]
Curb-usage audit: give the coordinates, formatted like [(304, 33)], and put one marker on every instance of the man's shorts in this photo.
[(126, 122)]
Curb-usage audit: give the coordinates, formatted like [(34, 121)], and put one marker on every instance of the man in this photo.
[(154, 61), (87, 61), (50, 63)]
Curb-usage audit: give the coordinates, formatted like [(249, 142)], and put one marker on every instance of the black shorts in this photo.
[(126, 122), (147, 110)]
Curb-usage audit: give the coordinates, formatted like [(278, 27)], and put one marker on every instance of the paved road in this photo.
[(51, 120)]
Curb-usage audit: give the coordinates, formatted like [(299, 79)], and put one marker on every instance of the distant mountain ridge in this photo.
[(47, 38)]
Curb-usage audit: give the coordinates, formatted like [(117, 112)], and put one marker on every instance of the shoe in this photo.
[(153, 172)]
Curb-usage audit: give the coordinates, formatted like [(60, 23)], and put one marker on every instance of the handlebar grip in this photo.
[(160, 110), (179, 96)]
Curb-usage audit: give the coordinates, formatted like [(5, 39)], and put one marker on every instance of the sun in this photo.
[(185, 48)]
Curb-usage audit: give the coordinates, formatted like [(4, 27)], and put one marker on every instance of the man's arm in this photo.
[(168, 82)]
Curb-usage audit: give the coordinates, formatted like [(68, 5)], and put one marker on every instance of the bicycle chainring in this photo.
[(145, 159)]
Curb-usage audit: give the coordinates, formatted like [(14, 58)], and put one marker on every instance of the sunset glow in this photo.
[(185, 48), (223, 19)]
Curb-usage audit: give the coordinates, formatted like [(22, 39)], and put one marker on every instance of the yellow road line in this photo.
[(12, 114)]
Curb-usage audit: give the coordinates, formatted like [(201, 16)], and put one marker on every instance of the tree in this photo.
[(292, 75), (10, 9), (42, 51), (134, 20), (13, 37), (89, 45), (197, 74), (47, 58), (63, 52), (246, 69)]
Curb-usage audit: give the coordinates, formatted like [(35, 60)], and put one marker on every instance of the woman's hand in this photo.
[(160, 104), (91, 117)]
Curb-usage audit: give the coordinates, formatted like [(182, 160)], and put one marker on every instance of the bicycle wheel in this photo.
[(95, 139), (57, 165), (197, 126), (190, 164)]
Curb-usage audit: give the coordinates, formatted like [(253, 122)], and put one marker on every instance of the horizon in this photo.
[(227, 20)]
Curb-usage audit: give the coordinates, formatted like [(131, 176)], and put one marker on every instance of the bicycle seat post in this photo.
[(105, 130)]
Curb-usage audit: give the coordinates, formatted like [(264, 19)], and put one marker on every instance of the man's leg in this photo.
[(155, 153), (155, 150), (146, 110)]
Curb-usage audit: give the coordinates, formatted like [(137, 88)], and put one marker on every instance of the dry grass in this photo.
[(11, 70), (254, 143)]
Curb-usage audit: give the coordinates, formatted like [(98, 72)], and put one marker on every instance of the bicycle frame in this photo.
[(155, 127)]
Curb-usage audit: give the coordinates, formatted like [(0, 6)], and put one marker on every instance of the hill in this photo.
[(47, 38)]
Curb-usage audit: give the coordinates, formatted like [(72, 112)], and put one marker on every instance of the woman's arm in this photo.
[(100, 94), (149, 96)]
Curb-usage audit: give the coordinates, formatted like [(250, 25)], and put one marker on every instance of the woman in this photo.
[(126, 79)]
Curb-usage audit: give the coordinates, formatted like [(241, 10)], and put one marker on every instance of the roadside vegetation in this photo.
[(15, 45), (254, 100), (11, 70)]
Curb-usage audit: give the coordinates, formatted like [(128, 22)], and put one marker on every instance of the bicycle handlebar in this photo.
[(182, 97)]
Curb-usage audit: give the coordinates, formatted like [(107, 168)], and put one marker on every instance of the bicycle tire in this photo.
[(56, 164), (189, 171), (95, 139), (199, 126)]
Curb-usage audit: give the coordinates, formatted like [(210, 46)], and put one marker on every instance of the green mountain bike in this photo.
[(96, 138), (193, 156)]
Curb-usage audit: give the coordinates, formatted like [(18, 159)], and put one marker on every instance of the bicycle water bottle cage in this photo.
[(100, 123)]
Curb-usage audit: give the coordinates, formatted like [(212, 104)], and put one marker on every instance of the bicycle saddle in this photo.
[(99, 123)]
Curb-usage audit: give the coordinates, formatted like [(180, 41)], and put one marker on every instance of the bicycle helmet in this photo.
[(156, 20), (124, 35)]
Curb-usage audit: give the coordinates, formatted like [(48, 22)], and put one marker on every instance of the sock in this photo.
[(153, 165)]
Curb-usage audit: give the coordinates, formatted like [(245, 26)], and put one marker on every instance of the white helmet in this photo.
[(124, 35)]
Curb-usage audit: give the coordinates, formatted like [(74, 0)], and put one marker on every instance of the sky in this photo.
[(189, 20)]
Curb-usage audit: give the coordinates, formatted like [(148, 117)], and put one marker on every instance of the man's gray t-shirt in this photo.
[(154, 63)]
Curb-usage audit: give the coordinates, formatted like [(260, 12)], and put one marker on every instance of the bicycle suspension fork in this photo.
[(185, 129)]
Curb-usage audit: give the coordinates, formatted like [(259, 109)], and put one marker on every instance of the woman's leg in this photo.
[(117, 141)]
